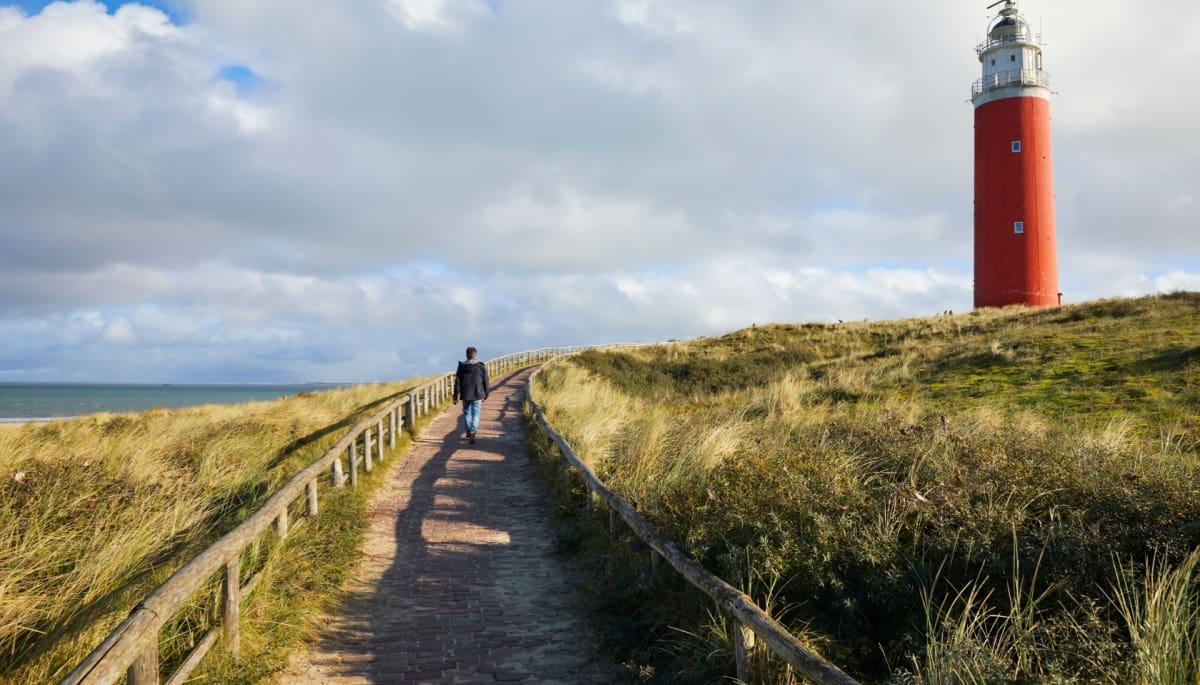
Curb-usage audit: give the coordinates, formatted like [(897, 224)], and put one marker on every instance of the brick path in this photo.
[(459, 582)]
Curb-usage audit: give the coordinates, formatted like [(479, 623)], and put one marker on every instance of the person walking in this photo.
[(471, 384)]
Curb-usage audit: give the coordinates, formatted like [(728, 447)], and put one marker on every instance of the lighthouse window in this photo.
[(993, 61), (1012, 58), (1016, 146), (1018, 227)]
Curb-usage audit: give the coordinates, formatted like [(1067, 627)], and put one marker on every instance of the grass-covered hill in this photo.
[(96, 511), (1004, 496)]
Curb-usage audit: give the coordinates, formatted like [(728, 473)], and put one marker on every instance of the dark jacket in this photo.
[(471, 381)]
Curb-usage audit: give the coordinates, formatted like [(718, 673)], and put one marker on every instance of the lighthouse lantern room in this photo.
[(1015, 253)]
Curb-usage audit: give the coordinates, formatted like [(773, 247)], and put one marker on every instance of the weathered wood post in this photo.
[(281, 524), (743, 649), (339, 479), (312, 497), (379, 443), (144, 671), (353, 461), (366, 449), (392, 429), (232, 612), (612, 521), (410, 414)]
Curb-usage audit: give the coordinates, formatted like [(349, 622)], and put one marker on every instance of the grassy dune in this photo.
[(1003, 496), (96, 511)]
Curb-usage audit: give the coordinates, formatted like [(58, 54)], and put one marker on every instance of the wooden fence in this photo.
[(751, 622), (132, 648)]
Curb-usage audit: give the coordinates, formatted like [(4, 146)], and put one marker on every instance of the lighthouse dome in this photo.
[(1009, 28)]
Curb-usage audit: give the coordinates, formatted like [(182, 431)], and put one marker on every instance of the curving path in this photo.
[(459, 582)]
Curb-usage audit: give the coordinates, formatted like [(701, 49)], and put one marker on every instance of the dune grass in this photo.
[(988, 497), (96, 511)]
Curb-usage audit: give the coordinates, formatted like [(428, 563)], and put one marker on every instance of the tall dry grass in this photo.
[(95, 511), (862, 461), (1162, 614)]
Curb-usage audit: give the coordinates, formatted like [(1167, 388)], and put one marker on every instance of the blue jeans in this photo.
[(471, 414)]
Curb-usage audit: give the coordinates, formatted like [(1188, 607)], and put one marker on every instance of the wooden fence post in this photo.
[(352, 461), (339, 479), (281, 524), (743, 649), (144, 671), (312, 497), (366, 451), (612, 521), (409, 414), (379, 434), (232, 612), (392, 428)]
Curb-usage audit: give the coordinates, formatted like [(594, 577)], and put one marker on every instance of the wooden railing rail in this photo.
[(750, 620), (132, 648)]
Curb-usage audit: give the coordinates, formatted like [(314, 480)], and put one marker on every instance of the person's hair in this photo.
[(471, 352)]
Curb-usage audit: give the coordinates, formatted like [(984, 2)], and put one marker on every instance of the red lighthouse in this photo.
[(1016, 259)]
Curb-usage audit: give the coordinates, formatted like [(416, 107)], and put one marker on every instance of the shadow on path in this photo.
[(459, 581)]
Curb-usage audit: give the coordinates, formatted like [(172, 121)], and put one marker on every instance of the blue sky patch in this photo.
[(241, 76), (173, 9)]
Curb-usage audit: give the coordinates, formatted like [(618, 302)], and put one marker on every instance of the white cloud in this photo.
[(564, 229), (119, 331), (654, 16), (1175, 280), (526, 173), (434, 16), (75, 37)]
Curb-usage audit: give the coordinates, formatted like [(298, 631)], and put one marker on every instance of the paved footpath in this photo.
[(459, 582)]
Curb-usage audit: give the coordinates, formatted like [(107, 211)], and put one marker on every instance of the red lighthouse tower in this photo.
[(1016, 258)]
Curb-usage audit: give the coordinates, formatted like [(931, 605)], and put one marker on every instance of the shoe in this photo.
[(472, 438)]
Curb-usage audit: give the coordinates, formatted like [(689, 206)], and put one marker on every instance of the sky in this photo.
[(270, 191)]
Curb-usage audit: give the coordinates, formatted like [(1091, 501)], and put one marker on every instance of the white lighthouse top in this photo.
[(1008, 27), (1011, 58)]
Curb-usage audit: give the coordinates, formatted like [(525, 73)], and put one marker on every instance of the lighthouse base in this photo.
[(1029, 299)]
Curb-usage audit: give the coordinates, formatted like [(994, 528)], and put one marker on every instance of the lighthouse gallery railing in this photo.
[(1016, 77)]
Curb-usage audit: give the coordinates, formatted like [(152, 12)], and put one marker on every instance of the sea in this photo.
[(21, 402)]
